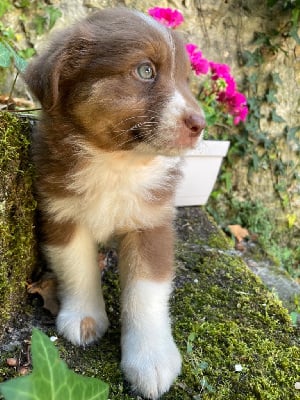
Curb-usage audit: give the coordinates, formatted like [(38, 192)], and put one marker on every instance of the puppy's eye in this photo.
[(145, 71)]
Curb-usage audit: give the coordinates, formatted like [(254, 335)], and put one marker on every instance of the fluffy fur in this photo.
[(117, 114)]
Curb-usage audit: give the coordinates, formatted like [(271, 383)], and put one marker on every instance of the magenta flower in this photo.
[(219, 70), (199, 64), (220, 87), (166, 16), (235, 104)]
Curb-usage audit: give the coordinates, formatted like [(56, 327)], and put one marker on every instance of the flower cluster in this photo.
[(219, 95), (166, 16), (199, 64)]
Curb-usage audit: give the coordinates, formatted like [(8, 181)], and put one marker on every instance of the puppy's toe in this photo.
[(88, 329), (81, 330)]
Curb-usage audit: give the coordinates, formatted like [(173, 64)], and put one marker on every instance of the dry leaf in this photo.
[(102, 261), (47, 288), (12, 362), (238, 232)]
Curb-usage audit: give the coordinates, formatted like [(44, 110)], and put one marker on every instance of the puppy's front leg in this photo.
[(150, 358), (82, 317)]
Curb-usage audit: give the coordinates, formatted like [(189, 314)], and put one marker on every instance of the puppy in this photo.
[(117, 114)]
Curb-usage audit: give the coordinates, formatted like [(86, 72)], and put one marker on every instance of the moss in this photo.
[(222, 316), (17, 251)]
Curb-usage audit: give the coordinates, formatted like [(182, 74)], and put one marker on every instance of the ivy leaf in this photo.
[(291, 133), (51, 379), (9, 55), (275, 117), (276, 78), (54, 14), (294, 317), (5, 56), (271, 96), (20, 63), (295, 22)]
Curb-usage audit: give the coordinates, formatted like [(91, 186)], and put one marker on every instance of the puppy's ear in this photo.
[(42, 77), (55, 68)]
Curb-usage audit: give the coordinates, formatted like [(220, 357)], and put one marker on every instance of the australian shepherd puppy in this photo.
[(117, 115)]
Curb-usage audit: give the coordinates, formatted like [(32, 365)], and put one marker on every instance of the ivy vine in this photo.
[(262, 150)]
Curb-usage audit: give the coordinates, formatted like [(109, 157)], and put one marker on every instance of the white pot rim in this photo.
[(210, 148)]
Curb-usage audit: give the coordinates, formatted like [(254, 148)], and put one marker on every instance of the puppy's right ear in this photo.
[(42, 77), (58, 67)]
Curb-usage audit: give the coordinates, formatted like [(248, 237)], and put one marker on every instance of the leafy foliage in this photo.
[(51, 378), (34, 13), (9, 56)]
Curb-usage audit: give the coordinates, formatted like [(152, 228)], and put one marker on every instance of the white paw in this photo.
[(81, 329), (150, 366)]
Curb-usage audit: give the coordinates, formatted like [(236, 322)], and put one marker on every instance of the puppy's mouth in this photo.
[(160, 136), (168, 142)]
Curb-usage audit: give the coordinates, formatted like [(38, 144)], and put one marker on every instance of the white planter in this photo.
[(201, 167)]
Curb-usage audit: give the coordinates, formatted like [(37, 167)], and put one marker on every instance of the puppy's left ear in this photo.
[(56, 68)]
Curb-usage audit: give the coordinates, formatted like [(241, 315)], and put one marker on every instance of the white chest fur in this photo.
[(115, 192)]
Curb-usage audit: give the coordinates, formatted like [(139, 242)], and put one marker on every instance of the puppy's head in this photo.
[(122, 79)]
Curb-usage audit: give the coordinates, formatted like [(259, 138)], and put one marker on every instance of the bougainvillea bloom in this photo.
[(219, 70), (199, 64), (220, 87), (166, 16)]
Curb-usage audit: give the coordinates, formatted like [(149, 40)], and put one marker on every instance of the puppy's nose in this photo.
[(195, 123)]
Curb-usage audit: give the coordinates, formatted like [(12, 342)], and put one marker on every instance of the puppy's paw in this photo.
[(80, 329), (150, 367)]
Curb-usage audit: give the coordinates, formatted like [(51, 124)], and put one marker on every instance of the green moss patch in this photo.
[(235, 337), (17, 205)]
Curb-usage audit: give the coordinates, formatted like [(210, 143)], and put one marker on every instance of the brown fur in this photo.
[(143, 253)]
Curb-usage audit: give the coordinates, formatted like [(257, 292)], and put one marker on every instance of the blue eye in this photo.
[(146, 71)]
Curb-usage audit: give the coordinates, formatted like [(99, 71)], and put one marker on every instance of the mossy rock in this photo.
[(224, 320), (17, 206), (235, 337)]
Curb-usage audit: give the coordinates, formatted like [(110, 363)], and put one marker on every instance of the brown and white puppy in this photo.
[(117, 113)]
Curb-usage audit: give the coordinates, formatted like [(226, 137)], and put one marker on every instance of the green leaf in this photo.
[(275, 117), (20, 63), (291, 133), (5, 5), (276, 78), (39, 23), (271, 96), (294, 317), (203, 365), (5, 56), (54, 14), (51, 379)]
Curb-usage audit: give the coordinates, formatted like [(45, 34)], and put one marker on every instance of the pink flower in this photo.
[(191, 48), (199, 64), (230, 86), (222, 87), (237, 107), (241, 116), (219, 70), (166, 16)]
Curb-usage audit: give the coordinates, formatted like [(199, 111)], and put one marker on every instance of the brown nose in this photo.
[(195, 123)]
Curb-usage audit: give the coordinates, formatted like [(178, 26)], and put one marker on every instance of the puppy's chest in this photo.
[(118, 195)]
